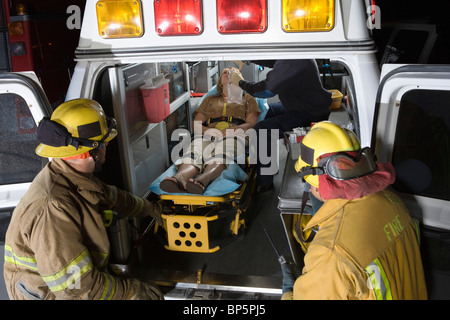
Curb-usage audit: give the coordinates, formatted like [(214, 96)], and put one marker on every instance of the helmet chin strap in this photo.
[(95, 156)]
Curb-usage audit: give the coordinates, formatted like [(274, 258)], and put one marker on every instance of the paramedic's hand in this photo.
[(235, 78)]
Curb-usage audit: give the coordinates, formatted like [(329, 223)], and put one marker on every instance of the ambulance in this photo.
[(149, 64)]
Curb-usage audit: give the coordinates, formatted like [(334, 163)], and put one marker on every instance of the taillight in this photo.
[(307, 15), (241, 16), (178, 17), (119, 18)]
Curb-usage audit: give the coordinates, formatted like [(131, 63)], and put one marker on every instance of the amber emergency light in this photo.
[(119, 19), (307, 15)]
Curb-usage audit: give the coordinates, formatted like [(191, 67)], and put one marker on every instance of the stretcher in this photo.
[(199, 223)]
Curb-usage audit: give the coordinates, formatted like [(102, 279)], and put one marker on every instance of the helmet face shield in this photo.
[(342, 166)]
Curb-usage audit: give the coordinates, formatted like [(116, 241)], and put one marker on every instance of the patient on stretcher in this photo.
[(219, 126)]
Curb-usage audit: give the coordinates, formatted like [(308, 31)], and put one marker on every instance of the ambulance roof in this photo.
[(217, 29)]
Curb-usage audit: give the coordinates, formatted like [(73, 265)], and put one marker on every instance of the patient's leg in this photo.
[(211, 172), (177, 183)]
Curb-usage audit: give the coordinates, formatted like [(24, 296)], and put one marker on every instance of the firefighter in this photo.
[(56, 245), (366, 246)]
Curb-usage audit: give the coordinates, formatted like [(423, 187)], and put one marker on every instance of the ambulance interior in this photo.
[(246, 262)]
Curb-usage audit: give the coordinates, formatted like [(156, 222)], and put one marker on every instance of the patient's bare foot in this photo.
[(195, 187), (171, 185)]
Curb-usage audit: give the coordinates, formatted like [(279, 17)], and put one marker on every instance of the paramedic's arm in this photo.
[(284, 74), (256, 89)]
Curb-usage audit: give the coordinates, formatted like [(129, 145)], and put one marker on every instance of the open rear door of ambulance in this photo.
[(412, 131), (23, 104)]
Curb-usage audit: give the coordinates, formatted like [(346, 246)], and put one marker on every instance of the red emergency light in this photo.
[(178, 17), (238, 16)]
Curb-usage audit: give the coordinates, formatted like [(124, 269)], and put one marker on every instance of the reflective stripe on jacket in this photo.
[(56, 246), (365, 249)]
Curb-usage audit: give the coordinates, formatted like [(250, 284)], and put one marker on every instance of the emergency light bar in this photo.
[(119, 18), (237, 16), (307, 15), (178, 17), (123, 18)]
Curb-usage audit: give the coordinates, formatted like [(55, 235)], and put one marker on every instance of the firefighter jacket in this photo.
[(57, 247), (365, 248)]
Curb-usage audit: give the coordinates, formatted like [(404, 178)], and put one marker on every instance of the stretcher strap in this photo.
[(228, 119)]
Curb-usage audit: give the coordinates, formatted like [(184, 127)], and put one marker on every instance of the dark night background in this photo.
[(415, 12)]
